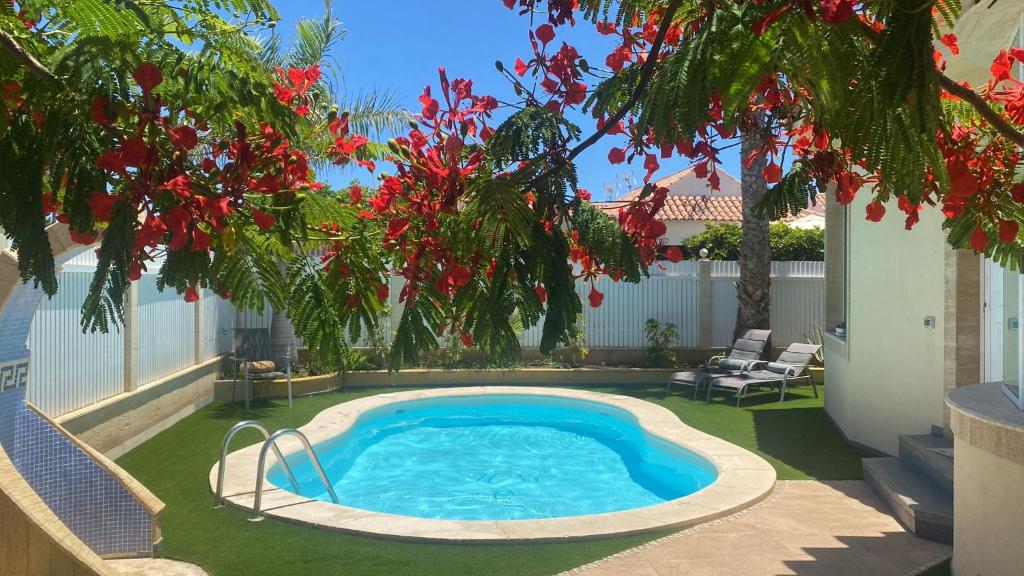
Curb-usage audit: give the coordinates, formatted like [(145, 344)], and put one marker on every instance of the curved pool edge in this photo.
[(743, 480)]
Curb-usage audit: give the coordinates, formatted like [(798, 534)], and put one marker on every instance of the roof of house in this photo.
[(691, 199)]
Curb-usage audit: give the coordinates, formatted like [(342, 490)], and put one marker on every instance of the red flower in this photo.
[(979, 240), (542, 293), (200, 241), (616, 155), (876, 210), (545, 33), (1017, 191), (674, 254), (355, 194), (467, 339), (180, 185), (383, 292), (595, 297), (147, 76), (772, 172), (651, 165), (84, 238), (184, 137), (521, 67), (1008, 230), (191, 294), (263, 220), (98, 111), (950, 41), (583, 194), (430, 106), (836, 11), (134, 270), (102, 205), (134, 152), (177, 221), (1001, 67)]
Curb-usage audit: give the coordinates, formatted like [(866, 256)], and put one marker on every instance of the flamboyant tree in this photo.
[(114, 127)]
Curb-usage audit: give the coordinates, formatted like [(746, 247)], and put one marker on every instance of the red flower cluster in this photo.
[(293, 88), (183, 201)]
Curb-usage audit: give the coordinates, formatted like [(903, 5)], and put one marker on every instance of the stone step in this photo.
[(931, 455), (920, 504)]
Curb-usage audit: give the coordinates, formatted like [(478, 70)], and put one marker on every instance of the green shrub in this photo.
[(723, 242), (660, 340)]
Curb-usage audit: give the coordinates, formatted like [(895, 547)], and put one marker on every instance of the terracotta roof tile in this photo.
[(707, 208)]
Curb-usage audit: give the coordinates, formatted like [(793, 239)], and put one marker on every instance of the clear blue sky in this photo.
[(397, 45)]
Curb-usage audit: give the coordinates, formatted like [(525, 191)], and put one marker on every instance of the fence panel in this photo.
[(798, 309), (218, 325), (798, 301), (71, 369), (166, 331)]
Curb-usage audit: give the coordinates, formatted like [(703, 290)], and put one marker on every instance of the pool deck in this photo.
[(743, 480), (805, 528)]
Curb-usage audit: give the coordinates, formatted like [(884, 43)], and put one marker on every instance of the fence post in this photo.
[(131, 337), (704, 304), (197, 328)]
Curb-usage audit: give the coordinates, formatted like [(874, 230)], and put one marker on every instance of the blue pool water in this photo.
[(499, 457)]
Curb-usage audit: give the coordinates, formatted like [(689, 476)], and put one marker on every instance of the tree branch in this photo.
[(646, 73), (26, 59), (1000, 124)]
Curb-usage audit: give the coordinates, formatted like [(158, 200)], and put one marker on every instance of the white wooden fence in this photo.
[(70, 370)]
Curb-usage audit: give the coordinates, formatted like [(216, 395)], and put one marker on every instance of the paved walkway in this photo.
[(804, 528), (155, 567)]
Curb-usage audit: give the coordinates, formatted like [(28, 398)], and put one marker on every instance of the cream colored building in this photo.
[(924, 324)]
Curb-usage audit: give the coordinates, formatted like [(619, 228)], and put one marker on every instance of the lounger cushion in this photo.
[(732, 363), (260, 366), (780, 367)]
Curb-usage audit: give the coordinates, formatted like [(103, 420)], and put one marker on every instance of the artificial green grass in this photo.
[(794, 436)]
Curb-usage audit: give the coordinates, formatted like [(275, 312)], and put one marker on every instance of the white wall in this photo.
[(886, 378), (679, 230)]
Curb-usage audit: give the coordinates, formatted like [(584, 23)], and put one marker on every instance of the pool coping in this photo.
[(743, 480)]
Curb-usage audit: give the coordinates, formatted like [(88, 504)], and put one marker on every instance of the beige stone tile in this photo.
[(804, 529)]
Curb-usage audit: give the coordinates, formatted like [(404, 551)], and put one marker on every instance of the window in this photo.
[(1003, 339)]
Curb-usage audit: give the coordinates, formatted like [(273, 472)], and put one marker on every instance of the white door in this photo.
[(1002, 340)]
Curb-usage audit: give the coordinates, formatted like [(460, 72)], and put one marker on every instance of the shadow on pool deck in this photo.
[(806, 528)]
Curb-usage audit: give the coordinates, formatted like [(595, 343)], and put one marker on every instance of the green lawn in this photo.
[(795, 437)]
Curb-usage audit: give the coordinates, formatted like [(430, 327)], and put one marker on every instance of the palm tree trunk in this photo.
[(753, 289)]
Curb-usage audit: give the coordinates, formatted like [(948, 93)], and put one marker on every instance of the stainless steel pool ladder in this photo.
[(271, 444), (218, 499)]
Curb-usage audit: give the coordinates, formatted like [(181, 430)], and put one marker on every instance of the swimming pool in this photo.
[(499, 457), (501, 464)]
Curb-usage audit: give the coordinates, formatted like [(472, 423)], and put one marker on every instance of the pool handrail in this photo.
[(218, 499), (271, 443)]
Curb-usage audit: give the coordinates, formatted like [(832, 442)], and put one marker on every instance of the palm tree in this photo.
[(753, 293), (372, 113)]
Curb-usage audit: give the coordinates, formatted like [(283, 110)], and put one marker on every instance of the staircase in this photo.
[(918, 485)]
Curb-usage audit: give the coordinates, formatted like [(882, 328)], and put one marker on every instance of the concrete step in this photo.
[(931, 455), (920, 504)]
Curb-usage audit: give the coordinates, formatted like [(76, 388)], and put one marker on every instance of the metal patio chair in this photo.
[(252, 357), (747, 348)]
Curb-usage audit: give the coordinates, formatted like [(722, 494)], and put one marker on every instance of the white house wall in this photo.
[(886, 379)]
